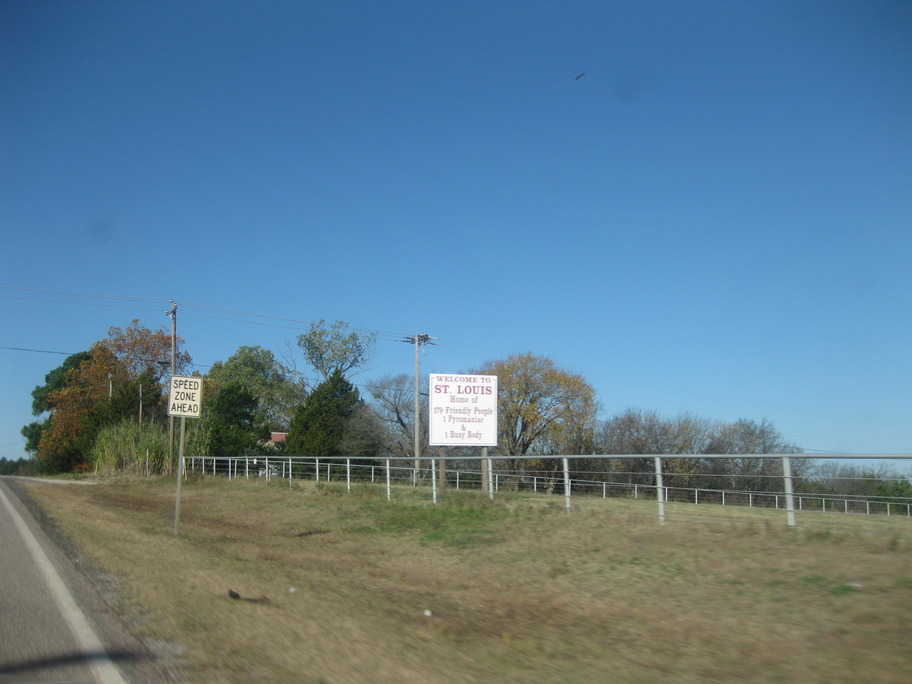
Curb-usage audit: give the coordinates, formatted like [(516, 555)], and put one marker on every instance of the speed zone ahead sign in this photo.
[(186, 396)]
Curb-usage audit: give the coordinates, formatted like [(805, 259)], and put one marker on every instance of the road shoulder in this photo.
[(98, 594)]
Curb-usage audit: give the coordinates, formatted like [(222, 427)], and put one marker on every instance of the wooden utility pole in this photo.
[(172, 312), (418, 340)]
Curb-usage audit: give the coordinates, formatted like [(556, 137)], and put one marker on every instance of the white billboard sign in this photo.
[(186, 396), (463, 410)]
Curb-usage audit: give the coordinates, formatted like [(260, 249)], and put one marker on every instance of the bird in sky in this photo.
[(579, 76)]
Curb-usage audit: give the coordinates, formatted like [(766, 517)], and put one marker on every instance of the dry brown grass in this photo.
[(518, 591)]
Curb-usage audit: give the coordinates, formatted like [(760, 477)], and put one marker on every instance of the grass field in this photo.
[(353, 588)]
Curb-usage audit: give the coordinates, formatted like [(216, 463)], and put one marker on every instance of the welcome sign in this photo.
[(463, 410)]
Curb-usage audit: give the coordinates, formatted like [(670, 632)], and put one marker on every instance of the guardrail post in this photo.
[(659, 485), (567, 483), (789, 496)]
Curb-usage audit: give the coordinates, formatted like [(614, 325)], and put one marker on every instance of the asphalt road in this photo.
[(55, 624)]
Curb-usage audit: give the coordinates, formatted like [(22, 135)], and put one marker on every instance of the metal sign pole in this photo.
[(180, 476)]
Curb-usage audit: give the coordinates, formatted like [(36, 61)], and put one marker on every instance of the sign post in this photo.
[(185, 400)]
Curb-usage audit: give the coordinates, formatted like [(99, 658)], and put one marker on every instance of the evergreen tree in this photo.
[(320, 425), (231, 417)]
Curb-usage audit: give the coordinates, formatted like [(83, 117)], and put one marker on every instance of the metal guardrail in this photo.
[(342, 469)]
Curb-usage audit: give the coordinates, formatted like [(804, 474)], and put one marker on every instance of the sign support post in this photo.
[(180, 477), (185, 400)]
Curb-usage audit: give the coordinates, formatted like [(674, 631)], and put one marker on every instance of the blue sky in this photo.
[(715, 219)]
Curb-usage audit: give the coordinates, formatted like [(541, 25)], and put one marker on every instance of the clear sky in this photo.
[(714, 219)]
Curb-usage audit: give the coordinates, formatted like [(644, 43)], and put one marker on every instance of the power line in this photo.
[(297, 323), (71, 302), (81, 294), (39, 351)]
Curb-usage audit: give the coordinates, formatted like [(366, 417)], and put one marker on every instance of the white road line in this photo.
[(103, 669)]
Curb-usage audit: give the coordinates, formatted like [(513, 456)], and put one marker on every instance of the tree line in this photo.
[(105, 409)]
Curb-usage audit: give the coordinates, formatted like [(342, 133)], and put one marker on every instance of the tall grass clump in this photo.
[(131, 449), (197, 437)]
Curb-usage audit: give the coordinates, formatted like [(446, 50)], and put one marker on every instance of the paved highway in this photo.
[(54, 624)]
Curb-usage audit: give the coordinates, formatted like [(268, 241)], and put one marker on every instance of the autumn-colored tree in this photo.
[(542, 409), (77, 409), (139, 348), (54, 380), (122, 373)]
